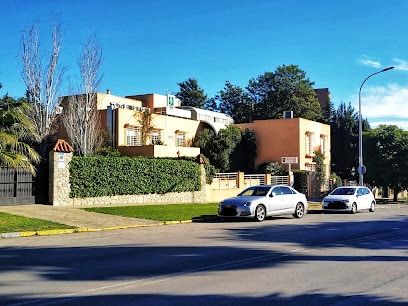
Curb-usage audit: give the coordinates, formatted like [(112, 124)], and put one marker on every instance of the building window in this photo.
[(310, 167), (323, 144), (134, 136), (156, 137), (309, 143), (180, 138)]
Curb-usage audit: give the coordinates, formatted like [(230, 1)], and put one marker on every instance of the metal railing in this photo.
[(230, 180), (225, 180), (280, 180), (254, 179)]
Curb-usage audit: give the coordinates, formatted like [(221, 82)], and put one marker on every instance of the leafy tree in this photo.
[(385, 155), (223, 145), (191, 94), (211, 105), (243, 157), (16, 131), (218, 147), (234, 101), (286, 89), (328, 112), (318, 159), (275, 169), (203, 140), (344, 140)]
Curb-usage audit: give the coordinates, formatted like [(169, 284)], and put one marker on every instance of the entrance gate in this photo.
[(16, 187)]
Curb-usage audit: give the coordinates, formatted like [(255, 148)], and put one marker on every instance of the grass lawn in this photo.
[(11, 223), (169, 212)]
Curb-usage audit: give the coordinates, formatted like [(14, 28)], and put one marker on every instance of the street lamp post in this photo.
[(361, 168)]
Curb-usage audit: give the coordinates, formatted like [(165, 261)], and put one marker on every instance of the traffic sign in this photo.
[(289, 160), (362, 169)]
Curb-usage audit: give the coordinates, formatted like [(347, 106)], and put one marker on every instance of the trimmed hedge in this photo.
[(96, 176), (300, 180)]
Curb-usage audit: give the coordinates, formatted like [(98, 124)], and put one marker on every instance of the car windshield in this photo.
[(254, 191), (343, 191)]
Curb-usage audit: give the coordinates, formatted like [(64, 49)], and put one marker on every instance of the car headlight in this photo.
[(246, 204)]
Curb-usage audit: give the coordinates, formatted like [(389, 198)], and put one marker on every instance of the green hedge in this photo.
[(300, 177), (96, 176)]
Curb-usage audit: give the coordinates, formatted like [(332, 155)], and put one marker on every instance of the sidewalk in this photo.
[(76, 217)]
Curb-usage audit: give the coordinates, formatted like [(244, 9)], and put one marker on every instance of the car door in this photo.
[(364, 198), (288, 198), (276, 200)]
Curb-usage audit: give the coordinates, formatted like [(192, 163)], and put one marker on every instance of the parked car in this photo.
[(262, 201), (349, 199)]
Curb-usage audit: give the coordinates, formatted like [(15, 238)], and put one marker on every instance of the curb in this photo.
[(84, 229)]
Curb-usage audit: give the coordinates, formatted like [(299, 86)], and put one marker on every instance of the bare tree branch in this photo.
[(80, 116), (42, 80)]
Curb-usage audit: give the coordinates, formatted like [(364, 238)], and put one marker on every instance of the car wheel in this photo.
[(372, 207), (260, 213), (353, 208), (299, 210)]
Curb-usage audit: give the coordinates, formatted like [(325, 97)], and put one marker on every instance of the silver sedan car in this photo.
[(262, 201)]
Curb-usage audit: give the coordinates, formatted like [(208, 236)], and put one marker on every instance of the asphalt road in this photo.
[(322, 259)]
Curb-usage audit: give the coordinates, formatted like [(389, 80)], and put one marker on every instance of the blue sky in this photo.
[(150, 46)]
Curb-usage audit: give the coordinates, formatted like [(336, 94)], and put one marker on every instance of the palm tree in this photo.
[(16, 130)]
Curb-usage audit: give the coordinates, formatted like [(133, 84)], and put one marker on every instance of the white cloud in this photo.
[(366, 61), (401, 124), (385, 105), (401, 64)]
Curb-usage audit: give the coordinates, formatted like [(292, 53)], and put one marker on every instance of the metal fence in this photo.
[(254, 179), (225, 180), (278, 180), (15, 183), (230, 180)]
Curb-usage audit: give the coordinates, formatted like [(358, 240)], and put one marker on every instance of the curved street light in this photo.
[(361, 168)]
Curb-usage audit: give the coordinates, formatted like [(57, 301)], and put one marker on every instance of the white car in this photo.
[(262, 201), (349, 199)]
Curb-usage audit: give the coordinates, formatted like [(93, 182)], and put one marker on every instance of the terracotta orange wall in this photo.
[(147, 99), (279, 138), (274, 138)]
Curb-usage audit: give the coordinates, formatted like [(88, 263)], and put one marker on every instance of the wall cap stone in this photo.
[(62, 146)]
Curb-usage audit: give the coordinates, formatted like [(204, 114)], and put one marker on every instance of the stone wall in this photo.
[(168, 198)]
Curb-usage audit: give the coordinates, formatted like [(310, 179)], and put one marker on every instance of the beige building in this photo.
[(172, 127)]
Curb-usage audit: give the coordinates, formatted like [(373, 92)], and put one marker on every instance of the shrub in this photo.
[(300, 177), (94, 176)]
